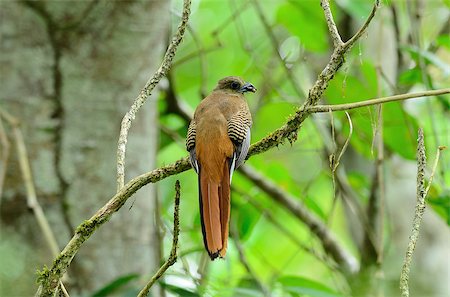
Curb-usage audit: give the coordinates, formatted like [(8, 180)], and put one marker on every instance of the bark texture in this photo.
[(69, 72)]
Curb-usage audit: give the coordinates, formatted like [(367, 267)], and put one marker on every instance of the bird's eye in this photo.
[(235, 85)]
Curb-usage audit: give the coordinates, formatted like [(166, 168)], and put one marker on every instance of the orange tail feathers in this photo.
[(224, 199), (215, 212)]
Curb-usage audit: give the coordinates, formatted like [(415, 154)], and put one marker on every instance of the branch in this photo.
[(5, 145), (49, 277), (173, 253), (346, 261), (347, 45), (348, 106), (25, 169), (420, 210), (146, 91), (433, 171), (337, 40), (335, 161), (32, 201)]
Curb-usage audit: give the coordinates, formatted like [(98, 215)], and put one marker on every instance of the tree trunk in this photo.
[(69, 72)]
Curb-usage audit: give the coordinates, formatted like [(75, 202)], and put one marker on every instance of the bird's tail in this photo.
[(215, 211)]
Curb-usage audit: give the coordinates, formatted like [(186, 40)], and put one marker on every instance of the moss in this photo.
[(86, 228), (42, 275)]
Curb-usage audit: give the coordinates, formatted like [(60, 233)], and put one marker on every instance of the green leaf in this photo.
[(115, 285), (306, 287)]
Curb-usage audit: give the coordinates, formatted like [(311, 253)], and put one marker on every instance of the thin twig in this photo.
[(244, 261), (372, 248), (331, 159), (32, 201), (348, 106), (334, 162), (31, 192), (25, 168), (63, 289), (146, 91), (381, 186), (173, 252), (344, 147), (5, 147), (363, 28), (337, 40), (433, 170), (419, 211)]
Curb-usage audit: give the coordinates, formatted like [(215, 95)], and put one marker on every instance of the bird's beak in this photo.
[(248, 87)]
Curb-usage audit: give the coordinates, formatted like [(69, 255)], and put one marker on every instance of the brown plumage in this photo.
[(218, 140)]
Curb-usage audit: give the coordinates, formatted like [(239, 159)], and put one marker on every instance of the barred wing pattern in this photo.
[(190, 145), (239, 132)]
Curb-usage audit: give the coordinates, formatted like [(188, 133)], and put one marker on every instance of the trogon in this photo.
[(217, 141)]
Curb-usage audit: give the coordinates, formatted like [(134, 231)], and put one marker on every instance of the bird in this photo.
[(218, 140)]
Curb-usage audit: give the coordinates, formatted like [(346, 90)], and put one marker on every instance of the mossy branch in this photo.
[(173, 253), (146, 92), (49, 281), (419, 211)]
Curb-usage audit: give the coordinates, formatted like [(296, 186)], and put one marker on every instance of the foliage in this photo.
[(236, 42)]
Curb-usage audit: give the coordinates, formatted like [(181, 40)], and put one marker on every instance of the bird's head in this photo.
[(234, 84)]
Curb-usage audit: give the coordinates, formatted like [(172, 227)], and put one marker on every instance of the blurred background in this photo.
[(71, 69)]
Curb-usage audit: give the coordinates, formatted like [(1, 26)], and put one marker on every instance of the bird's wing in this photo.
[(190, 145), (239, 133)]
